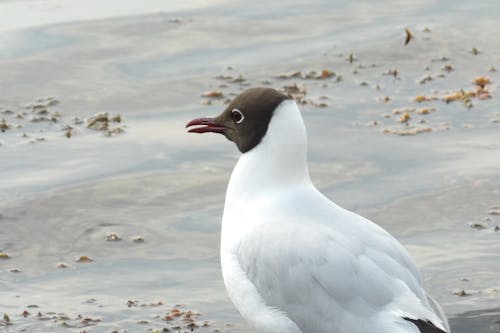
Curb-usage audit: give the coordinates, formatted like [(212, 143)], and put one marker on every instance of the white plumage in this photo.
[(293, 261)]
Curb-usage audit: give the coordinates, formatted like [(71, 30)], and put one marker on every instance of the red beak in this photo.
[(208, 125)]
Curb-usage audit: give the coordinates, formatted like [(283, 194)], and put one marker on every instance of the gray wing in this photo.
[(328, 282)]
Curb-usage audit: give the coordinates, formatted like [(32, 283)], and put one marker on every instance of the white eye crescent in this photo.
[(237, 116)]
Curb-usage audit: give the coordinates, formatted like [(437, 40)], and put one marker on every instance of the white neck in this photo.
[(279, 160)]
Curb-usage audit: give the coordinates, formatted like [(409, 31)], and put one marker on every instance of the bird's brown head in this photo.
[(245, 120)]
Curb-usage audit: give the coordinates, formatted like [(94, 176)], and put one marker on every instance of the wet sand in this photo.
[(436, 191)]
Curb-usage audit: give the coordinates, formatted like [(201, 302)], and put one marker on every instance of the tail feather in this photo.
[(439, 311), (425, 326)]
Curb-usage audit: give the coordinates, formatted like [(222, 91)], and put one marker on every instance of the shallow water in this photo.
[(61, 197)]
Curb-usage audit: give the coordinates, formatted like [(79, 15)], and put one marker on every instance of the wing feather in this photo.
[(342, 280)]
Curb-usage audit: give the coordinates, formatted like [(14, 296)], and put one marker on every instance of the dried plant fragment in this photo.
[(98, 121), (4, 126), (443, 59), (296, 74), (402, 110), (114, 131), (112, 237), (461, 293), (425, 110), (392, 72), (409, 36), (448, 68), (385, 99), (87, 321), (459, 95), (224, 77), (84, 259), (404, 118), (213, 94), (131, 303), (294, 89), (239, 79), (481, 81), (407, 131), (311, 75), (423, 98), (325, 74), (477, 225), (482, 94), (191, 326), (138, 239), (425, 79)]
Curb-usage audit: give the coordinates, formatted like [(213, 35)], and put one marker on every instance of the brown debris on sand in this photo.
[(405, 117), (408, 37), (102, 122), (84, 259), (294, 90), (311, 75), (407, 131), (113, 237), (213, 94), (5, 320), (39, 116), (423, 98), (4, 125), (461, 293), (138, 239)]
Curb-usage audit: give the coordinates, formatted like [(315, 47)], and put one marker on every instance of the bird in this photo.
[(292, 260)]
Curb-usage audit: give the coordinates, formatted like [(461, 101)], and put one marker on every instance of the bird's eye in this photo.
[(237, 116)]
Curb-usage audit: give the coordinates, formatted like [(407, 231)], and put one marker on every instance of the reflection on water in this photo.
[(61, 197)]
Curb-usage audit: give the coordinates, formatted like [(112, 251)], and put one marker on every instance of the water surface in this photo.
[(61, 197)]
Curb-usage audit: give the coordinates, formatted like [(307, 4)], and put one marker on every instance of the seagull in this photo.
[(292, 260)]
